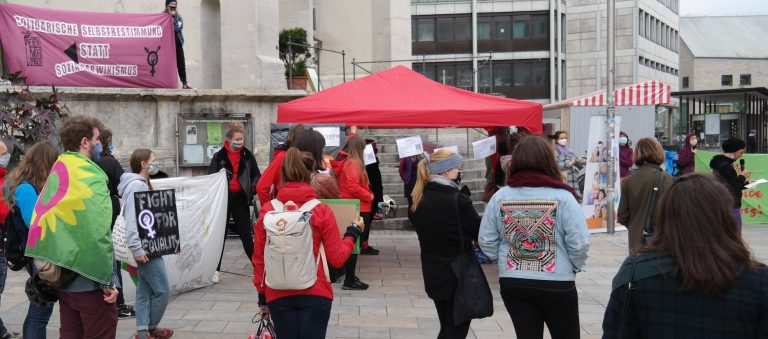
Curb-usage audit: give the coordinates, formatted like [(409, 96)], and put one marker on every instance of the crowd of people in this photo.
[(533, 227)]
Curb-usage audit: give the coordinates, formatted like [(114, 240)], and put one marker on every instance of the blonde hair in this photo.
[(235, 127), (648, 150), (423, 176)]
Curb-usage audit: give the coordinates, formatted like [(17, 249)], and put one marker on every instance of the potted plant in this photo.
[(295, 56)]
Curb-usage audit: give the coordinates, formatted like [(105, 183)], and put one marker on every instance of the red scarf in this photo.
[(537, 179), (234, 159)]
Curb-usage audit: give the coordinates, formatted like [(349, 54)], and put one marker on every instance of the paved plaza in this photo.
[(395, 306)]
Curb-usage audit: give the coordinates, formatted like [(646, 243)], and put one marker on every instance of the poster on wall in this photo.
[(87, 49), (595, 202), (201, 205)]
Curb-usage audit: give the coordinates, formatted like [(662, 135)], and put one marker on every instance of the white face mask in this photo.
[(623, 141), (562, 142)]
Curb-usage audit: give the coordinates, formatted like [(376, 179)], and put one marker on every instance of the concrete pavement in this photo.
[(395, 306)]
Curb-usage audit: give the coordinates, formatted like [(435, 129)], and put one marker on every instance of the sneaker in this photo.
[(161, 333), (355, 285), (187, 86), (125, 311), (215, 278), (369, 251), (10, 335), (378, 216)]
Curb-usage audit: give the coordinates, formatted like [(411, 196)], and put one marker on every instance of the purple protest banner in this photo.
[(88, 49)]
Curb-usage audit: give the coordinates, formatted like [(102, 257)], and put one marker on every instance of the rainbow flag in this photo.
[(71, 220)]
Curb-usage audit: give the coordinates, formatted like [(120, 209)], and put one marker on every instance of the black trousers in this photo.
[(532, 303), (181, 63), (368, 220), (350, 266), (447, 329), (237, 209)]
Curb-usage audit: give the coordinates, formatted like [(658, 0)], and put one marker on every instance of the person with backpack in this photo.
[(353, 184), (242, 175), (270, 181), (26, 181), (298, 296), (153, 289), (5, 157)]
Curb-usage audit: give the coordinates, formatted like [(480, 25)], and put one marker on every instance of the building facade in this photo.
[(647, 43)]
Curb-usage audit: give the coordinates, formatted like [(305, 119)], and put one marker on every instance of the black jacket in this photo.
[(436, 223), (722, 166), (247, 175), (114, 171)]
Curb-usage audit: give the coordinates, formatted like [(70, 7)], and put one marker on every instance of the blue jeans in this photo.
[(37, 317), (301, 316), (152, 293), (3, 275)]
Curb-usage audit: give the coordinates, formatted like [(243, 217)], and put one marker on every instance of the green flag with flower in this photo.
[(72, 217)]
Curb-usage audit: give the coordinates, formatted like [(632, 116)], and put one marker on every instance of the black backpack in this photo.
[(14, 236)]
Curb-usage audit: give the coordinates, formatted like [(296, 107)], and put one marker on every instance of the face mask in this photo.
[(153, 168), (235, 145), (458, 178), (562, 142), (110, 148), (5, 159), (694, 142), (623, 141), (96, 152)]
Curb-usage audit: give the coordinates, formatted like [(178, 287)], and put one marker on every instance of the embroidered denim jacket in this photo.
[(535, 233)]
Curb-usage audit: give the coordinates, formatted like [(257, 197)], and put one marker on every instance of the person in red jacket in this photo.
[(302, 313), (686, 155), (353, 184), (270, 180)]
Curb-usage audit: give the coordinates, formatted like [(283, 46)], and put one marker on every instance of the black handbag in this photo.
[(473, 298), (648, 230)]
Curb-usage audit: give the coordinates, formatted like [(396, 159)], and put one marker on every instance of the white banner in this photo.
[(201, 203), (332, 135), (409, 146)]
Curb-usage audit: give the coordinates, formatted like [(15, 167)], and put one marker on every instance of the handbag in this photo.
[(648, 230), (627, 297), (472, 298), (120, 247), (266, 330)]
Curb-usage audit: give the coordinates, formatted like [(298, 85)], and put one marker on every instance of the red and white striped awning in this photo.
[(641, 94)]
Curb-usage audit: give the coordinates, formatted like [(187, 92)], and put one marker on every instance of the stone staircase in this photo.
[(474, 170)]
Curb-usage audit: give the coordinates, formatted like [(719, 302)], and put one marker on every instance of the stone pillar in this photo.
[(391, 26), (249, 37)]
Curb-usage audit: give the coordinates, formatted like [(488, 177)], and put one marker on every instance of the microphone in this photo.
[(741, 164)]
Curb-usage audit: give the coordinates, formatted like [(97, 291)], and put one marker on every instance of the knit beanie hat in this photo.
[(168, 2), (733, 144)]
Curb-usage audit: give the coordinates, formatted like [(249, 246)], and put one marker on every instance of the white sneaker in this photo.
[(215, 278)]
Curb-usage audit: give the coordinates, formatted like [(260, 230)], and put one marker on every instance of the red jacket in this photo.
[(271, 179), (324, 229), (4, 211), (352, 183)]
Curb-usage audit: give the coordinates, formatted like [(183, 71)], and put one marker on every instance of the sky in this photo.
[(723, 7)]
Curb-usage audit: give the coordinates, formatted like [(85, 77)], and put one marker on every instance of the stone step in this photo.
[(473, 184), (394, 176)]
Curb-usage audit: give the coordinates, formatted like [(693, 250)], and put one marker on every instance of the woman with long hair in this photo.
[(270, 181), (436, 199), (323, 181), (637, 188), (26, 183), (535, 227), (302, 314), (153, 290), (178, 27), (696, 278), (567, 162), (242, 175), (353, 184)]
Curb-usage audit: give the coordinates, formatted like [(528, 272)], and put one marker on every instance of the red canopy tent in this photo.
[(400, 97)]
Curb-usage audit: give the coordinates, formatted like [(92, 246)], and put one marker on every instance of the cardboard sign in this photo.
[(346, 211), (157, 222), (369, 156), (332, 135), (484, 148), (409, 146)]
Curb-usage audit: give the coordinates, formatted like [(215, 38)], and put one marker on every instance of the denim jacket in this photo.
[(537, 233)]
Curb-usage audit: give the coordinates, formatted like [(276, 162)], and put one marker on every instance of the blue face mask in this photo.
[(111, 148), (96, 152)]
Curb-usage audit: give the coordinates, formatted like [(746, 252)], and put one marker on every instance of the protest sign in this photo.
[(484, 148), (754, 199), (332, 135), (157, 221), (87, 49), (369, 155), (409, 146), (346, 212)]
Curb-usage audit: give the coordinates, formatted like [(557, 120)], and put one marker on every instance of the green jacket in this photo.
[(635, 203)]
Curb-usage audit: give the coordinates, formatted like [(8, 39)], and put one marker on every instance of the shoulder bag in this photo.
[(472, 298), (648, 230)]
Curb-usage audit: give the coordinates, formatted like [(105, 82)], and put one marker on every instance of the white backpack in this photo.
[(289, 263)]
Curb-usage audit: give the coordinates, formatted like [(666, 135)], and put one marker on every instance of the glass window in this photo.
[(414, 34), (484, 75), (464, 76), (522, 74), (521, 27), (502, 74), (502, 29), (484, 29), (446, 75), (641, 22), (445, 29), (685, 82), (726, 80), (745, 79), (463, 29), (540, 24), (540, 74), (426, 30)]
